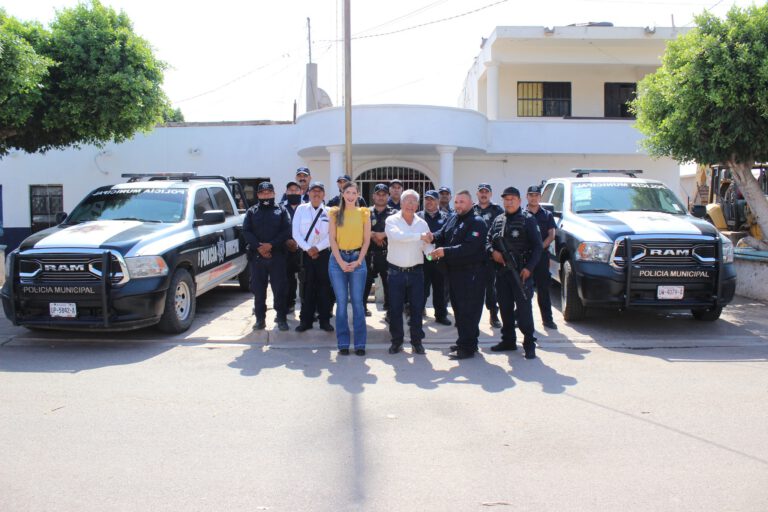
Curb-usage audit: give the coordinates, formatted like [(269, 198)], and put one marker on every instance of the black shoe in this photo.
[(418, 348), (442, 321), (327, 327), (504, 346), (463, 354), (495, 323), (343, 351), (530, 353), (454, 348), (282, 324), (360, 351), (549, 324), (368, 312), (260, 324), (395, 347), (302, 328)]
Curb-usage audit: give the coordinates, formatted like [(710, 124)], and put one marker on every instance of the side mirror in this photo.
[(211, 217), (548, 206), (60, 217), (699, 210)]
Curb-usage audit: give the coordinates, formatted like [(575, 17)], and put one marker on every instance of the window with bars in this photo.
[(411, 178), (45, 201), (617, 98), (543, 99)]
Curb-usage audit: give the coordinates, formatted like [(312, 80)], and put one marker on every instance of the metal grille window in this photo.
[(617, 98), (411, 178), (543, 99), (45, 201)]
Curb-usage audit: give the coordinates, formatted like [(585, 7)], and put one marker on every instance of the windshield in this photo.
[(609, 196), (142, 204)]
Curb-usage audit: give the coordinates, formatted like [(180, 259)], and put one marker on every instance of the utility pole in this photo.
[(347, 87), (309, 40)]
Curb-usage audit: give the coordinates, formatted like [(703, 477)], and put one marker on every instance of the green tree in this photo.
[(708, 101), (87, 79)]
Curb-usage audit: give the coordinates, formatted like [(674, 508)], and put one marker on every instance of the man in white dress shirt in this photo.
[(407, 234), (310, 230)]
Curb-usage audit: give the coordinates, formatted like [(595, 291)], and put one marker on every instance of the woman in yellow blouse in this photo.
[(350, 234)]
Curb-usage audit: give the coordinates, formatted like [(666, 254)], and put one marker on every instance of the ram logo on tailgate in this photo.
[(72, 267)]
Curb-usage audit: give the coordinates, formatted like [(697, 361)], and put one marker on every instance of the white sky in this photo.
[(235, 60)]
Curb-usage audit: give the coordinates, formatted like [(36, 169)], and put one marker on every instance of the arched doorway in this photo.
[(411, 178)]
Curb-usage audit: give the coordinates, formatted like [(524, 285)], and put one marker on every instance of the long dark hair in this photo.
[(343, 202)]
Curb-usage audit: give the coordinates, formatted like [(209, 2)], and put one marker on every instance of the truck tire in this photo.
[(573, 309), (180, 303), (707, 314), (244, 279)]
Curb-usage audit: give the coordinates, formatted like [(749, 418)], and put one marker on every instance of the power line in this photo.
[(420, 24), (404, 16)]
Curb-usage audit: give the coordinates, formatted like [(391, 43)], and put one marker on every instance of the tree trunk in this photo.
[(748, 186)]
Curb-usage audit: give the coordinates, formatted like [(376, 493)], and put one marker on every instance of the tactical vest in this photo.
[(519, 245)]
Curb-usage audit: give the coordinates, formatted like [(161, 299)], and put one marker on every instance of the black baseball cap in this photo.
[(344, 177), (292, 184), (381, 187), (534, 189), (395, 182), (444, 189), (266, 185), (482, 186), (432, 194), (303, 170), (316, 184), (510, 191)]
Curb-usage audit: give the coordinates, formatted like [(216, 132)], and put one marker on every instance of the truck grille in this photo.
[(66, 268), (666, 252)]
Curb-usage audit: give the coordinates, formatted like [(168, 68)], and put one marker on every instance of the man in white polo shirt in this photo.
[(407, 234)]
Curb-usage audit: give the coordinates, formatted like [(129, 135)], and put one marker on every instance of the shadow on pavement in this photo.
[(76, 357)]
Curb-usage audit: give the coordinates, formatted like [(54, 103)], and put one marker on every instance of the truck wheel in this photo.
[(180, 303), (244, 279), (707, 314), (573, 309)]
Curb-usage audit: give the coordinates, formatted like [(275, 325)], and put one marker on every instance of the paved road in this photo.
[(625, 412)]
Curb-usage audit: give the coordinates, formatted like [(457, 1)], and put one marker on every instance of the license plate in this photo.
[(670, 292), (63, 309)]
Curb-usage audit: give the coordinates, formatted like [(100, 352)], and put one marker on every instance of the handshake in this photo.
[(435, 254)]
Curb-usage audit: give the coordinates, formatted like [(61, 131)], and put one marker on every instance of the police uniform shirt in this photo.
[(378, 223), (393, 205), (303, 219), (489, 213), (265, 224), (434, 221), (522, 235), (462, 238), (336, 201), (545, 220)]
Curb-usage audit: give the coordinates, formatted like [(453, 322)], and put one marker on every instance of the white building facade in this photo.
[(536, 103)]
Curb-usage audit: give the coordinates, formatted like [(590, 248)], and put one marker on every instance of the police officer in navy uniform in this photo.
[(266, 228), (395, 189), (488, 211), (541, 276), (376, 258), (523, 241), (434, 273), (340, 182), (293, 262), (445, 199), (303, 175), (461, 245)]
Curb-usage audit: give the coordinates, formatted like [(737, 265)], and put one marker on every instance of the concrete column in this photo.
[(337, 162), (446, 165), (492, 90)]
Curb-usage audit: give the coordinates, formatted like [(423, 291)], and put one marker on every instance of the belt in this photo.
[(350, 251), (415, 268)]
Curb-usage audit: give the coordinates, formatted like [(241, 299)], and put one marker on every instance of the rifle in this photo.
[(510, 262)]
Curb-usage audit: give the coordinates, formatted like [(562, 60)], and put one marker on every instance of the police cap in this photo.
[(395, 182), (304, 171), (381, 187), (485, 186), (444, 189), (317, 184), (292, 184), (534, 189), (343, 177), (266, 185), (510, 191), (431, 194)]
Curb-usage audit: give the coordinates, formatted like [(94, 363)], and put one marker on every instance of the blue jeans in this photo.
[(349, 286)]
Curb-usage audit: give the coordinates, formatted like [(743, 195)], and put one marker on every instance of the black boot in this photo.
[(504, 346)]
